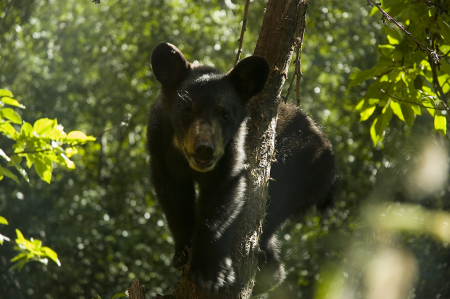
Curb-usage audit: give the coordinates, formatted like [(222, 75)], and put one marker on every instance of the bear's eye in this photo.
[(187, 112), (224, 115)]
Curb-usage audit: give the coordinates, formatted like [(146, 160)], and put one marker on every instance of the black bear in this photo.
[(196, 132)]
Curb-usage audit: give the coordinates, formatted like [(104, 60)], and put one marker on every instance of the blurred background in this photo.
[(89, 66)]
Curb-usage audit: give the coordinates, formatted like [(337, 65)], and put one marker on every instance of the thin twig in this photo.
[(241, 38), (298, 73), (414, 103), (388, 18)]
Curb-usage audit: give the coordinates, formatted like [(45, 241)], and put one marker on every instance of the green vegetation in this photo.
[(87, 65)]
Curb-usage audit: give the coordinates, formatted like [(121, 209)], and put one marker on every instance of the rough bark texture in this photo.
[(282, 29), (136, 291)]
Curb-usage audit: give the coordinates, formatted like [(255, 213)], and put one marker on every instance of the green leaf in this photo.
[(78, 137), (359, 77), (445, 29), (44, 125), (37, 244), (376, 130), (3, 221), (393, 36), (365, 114), (397, 110), (418, 82), (43, 166), (7, 129), (19, 236), (408, 113), (51, 254), (12, 102), (440, 124), (19, 256), (8, 173), (119, 295), (5, 93), (26, 129), (10, 114)]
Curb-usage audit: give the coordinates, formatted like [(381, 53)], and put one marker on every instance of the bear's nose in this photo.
[(204, 151)]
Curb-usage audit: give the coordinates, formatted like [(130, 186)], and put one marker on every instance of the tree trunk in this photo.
[(282, 29)]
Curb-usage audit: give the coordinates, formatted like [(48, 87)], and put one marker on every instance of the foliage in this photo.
[(407, 78), (31, 250), (40, 144)]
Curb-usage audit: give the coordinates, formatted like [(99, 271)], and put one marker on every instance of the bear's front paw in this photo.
[(180, 257), (212, 278)]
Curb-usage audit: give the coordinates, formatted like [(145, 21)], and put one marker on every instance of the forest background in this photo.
[(88, 66)]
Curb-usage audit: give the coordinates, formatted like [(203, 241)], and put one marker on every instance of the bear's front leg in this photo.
[(176, 196), (211, 269)]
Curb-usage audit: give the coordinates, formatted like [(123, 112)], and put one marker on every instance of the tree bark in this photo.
[(282, 29)]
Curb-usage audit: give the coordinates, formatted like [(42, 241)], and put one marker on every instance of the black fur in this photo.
[(195, 134)]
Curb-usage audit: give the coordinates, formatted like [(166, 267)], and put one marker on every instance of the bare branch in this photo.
[(241, 38), (388, 18)]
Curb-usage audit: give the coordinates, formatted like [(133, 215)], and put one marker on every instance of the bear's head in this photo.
[(205, 106)]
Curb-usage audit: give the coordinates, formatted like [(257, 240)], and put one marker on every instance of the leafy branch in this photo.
[(414, 103), (388, 18), (40, 144)]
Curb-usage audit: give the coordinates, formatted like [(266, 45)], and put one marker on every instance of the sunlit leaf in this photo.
[(12, 102), (6, 93), (376, 130), (440, 124), (78, 137), (26, 129), (365, 114), (44, 126), (11, 115), (408, 113), (7, 129), (3, 221), (51, 254), (43, 166), (397, 110), (37, 243), (19, 235)]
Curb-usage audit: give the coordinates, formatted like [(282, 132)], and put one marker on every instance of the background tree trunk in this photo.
[(282, 29)]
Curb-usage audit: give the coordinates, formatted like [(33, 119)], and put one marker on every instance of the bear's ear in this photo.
[(249, 76), (169, 65)]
